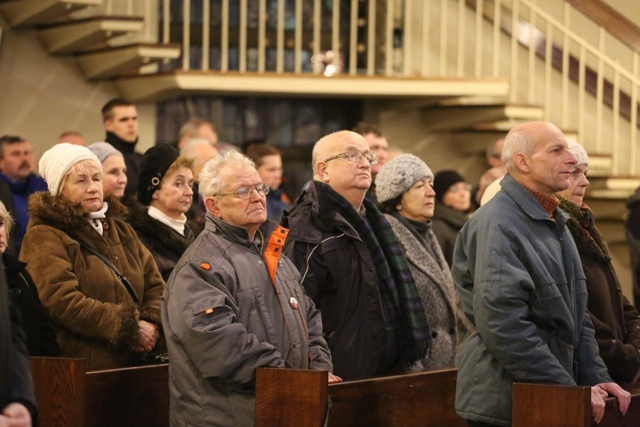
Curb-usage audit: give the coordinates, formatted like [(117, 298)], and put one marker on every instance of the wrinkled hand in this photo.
[(334, 379), (597, 403), (605, 389), (148, 337), (15, 415)]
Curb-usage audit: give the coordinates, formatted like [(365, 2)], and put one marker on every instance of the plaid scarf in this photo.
[(399, 296)]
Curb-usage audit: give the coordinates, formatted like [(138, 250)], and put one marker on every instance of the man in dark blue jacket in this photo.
[(521, 283)]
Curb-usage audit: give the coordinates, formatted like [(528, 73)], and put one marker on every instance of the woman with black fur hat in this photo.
[(164, 193)]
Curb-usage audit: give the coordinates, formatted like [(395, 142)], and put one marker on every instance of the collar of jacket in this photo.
[(272, 238), (120, 144), (58, 212), (528, 202)]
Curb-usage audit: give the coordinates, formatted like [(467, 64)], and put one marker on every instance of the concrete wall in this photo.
[(43, 95)]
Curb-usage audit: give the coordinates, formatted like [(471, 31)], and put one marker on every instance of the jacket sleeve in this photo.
[(50, 264), (320, 354), (21, 381), (202, 319), (502, 292), (591, 368)]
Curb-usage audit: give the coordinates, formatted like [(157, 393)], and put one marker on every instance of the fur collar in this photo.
[(58, 212)]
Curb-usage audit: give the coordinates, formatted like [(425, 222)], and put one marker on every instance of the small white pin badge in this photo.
[(294, 303)]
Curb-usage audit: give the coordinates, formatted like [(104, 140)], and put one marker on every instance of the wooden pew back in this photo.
[(538, 405), (290, 398), (68, 396)]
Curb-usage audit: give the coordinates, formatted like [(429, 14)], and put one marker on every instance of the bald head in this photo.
[(349, 176), (537, 155), (333, 144)]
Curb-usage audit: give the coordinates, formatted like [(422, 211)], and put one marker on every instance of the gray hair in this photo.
[(211, 175), (188, 148), (6, 218), (516, 141)]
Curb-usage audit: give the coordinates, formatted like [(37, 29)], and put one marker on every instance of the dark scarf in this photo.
[(398, 293), (120, 144), (420, 231), (582, 225)]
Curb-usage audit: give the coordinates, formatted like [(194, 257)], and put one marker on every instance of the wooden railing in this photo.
[(548, 60)]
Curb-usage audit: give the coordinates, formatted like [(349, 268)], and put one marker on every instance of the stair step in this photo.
[(22, 13), (75, 35), (495, 117), (111, 62), (613, 183), (607, 204)]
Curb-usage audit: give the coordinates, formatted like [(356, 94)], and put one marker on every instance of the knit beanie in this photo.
[(57, 160), (578, 152), (153, 165), (398, 175), (103, 150), (444, 180)]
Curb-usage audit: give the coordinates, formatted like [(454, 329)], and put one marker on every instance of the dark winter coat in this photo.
[(165, 244), (41, 338), (16, 382), (446, 224), (94, 315), (339, 275), (616, 321)]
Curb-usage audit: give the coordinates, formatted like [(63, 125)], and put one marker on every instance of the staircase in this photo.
[(460, 63), (92, 41)]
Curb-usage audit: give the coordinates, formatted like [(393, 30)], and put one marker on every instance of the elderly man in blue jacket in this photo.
[(234, 303), (520, 281)]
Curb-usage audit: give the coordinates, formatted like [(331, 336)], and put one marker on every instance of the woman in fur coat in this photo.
[(97, 314), (164, 193)]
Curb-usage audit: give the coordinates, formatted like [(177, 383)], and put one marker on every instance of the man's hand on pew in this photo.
[(334, 379), (15, 415), (601, 391)]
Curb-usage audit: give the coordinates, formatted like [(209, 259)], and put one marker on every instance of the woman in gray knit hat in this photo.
[(404, 187)]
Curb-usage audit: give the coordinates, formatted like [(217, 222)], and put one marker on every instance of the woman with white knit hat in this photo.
[(99, 285)]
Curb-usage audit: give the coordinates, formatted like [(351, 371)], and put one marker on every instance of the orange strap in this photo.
[(274, 249)]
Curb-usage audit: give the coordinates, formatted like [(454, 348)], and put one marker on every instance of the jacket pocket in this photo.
[(208, 310)]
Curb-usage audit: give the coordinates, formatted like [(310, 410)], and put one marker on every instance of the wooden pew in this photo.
[(289, 397), (537, 405), (68, 396)]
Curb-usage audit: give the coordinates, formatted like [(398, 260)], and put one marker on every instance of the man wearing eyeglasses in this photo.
[(234, 303), (352, 265)]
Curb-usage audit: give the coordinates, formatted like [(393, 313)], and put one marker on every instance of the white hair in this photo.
[(211, 175)]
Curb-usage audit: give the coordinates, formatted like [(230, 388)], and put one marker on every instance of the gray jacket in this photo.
[(437, 292), (521, 282), (230, 306)]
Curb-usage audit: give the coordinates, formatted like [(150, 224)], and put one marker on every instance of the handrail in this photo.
[(615, 23)]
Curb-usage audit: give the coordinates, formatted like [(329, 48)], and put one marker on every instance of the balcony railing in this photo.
[(583, 83)]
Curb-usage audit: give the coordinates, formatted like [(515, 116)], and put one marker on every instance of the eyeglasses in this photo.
[(353, 155), (455, 188), (244, 193)]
